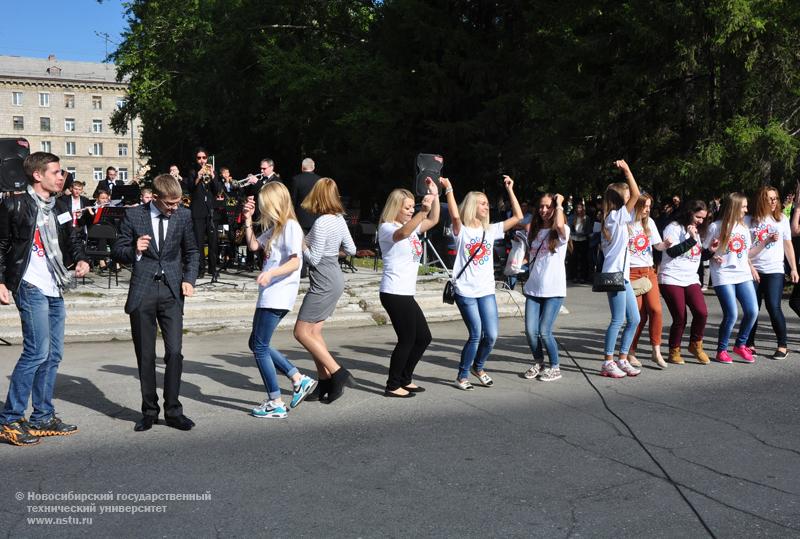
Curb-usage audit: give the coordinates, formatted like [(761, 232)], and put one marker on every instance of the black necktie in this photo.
[(161, 219)]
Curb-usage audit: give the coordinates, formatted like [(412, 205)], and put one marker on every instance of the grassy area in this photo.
[(369, 263)]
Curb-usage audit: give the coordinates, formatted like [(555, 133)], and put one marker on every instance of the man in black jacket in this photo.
[(71, 206), (109, 183), (203, 186), (157, 240), (299, 189), (32, 270)]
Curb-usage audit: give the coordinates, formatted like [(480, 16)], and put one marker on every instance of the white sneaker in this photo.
[(611, 370), (270, 410), (629, 369)]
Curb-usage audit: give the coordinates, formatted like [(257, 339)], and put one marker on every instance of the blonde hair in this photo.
[(394, 203), (614, 199), (731, 215), (165, 185), (639, 209), (762, 209), (276, 208), (468, 209), (324, 198)]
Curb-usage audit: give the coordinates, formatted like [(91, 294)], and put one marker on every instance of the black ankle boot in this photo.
[(339, 379), (320, 392)]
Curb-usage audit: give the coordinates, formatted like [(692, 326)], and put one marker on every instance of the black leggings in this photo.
[(413, 337)]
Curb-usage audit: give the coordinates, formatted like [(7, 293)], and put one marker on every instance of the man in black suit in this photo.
[(299, 189), (203, 186), (70, 206), (158, 241), (109, 183)]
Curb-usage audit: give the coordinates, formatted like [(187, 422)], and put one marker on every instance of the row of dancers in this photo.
[(746, 254)]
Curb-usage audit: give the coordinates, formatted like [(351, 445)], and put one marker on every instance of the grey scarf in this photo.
[(46, 222)]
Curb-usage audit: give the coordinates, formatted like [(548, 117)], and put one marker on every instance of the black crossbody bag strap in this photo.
[(470, 258)]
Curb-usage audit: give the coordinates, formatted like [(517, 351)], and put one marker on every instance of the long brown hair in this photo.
[(639, 209), (323, 199), (762, 210), (537, 224), (614, 199)]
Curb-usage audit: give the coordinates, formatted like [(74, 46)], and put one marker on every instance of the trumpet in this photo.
[(248, 179), (206, 173)]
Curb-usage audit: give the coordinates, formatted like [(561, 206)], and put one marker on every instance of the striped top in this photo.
[(328, 234)]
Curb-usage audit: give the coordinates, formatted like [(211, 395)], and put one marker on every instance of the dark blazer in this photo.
[(299, 189), (179, 258), (17, 229), (202, 195), (64, 204), (253, 189), (103, 184)]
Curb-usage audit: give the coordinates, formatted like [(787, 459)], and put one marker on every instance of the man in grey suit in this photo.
[(157, 240)]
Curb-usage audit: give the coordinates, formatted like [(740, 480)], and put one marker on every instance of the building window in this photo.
[(46, 146), (69, 125), (70, 148), (97, 126), (16, 98), (44, 123), (97, 148), (74, 172), (97, 102), (69, 101), (97, 174), (123, 150), (122, 174), (44, 99), (19, 122)]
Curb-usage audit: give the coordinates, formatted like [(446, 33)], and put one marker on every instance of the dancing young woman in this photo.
[(644, 239), (474, 290), (732, 274), (326, 284), (546, 287), (401, 250), (618, 206), (679, 280), (768, 221), (282, 243)]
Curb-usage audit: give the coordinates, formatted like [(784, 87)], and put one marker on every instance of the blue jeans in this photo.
[(623, 309), (34, 376), (267, 358), (727, 295), (770, 290), (540, 315), (480, 316)]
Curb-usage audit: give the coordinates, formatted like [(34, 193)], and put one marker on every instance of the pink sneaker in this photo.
[(627, 368), (744, 353), (723, 357), (611, 370)]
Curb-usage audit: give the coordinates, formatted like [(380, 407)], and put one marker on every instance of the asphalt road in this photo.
[(688, 452)]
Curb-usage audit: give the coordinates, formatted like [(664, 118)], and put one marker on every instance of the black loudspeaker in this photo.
[(429, 165), (13, 152)]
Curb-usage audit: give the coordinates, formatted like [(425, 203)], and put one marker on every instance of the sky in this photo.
[(65, 28)]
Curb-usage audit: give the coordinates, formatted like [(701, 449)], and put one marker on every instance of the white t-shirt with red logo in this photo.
[(38, 272), (478, 279), (681, 270), (734, 251), (770, 259), (548, 275), (640, 244), (400, 260)]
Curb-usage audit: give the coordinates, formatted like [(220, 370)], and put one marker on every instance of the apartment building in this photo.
[(65, 108)]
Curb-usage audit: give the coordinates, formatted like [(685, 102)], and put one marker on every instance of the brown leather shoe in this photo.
[(696, 349), (675, 356)]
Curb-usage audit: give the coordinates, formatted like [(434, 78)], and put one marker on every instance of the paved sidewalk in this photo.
[(520, 459)]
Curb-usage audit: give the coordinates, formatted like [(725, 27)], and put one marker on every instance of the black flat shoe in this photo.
[(181, 422), (145, 423), (780, 355), (414, 389), (396, 396)]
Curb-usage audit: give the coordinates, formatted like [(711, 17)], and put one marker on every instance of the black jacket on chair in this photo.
[(17, 229)]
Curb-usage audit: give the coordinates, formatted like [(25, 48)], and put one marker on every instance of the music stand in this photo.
[(128, 194)]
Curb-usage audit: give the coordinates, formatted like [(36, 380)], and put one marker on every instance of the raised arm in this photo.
[(420, 218), (516, 211), (632, 186), (560, 221), (452, 207), (250, 239), (433, 215)]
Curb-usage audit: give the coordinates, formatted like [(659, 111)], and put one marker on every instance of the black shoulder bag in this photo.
[(613, 281), (449, 294)]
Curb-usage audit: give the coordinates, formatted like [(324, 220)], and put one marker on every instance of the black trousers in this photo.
[(159, 307), (413, 337), (205, 232)]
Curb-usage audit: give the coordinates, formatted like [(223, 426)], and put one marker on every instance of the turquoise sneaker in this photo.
[(301, 390), (271, 410)]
